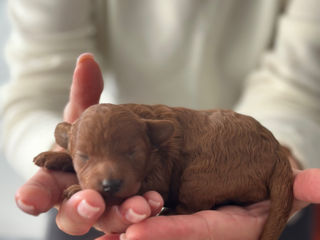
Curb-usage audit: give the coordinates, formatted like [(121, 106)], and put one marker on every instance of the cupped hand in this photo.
[(85, 208), (230, 222)]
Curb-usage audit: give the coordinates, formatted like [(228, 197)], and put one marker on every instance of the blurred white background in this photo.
[(14, 224)]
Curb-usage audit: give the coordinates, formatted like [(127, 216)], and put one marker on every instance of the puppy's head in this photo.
[(111, 148)]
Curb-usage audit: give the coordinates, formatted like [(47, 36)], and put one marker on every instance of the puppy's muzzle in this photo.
[(111, 186)]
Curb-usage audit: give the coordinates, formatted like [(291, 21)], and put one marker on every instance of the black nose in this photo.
[(111, 186)]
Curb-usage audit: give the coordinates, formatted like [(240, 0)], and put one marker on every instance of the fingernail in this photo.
[(123, 236), (134, 217), (86, 210), (26, 207), (154, 203), (84, 56)]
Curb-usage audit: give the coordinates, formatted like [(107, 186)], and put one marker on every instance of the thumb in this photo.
[(86, 88), (305, 185)]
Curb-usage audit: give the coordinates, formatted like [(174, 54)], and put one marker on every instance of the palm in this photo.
[(230, 222)]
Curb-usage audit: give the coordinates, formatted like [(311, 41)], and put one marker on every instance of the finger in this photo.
[(43, 191), (202, 225), (305, 186), (155, 202), (78, 214), (118, 218), (86, 87)]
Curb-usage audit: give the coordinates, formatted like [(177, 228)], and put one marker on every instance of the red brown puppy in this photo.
[(194, 159)]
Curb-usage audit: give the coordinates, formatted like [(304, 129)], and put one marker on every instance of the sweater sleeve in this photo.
[(284, 93), (46, 38)]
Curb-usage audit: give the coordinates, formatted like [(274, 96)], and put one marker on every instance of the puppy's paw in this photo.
[(71, 190), (58, 161)]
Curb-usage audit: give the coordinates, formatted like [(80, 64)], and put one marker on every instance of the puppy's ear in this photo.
[(62, 134), (159, 131)]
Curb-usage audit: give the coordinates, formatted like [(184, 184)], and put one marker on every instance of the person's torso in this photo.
[(183, 52)]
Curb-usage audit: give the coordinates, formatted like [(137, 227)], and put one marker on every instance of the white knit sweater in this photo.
[(197, 54)]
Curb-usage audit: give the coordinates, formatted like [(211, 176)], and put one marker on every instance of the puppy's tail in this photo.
[(281, 196)]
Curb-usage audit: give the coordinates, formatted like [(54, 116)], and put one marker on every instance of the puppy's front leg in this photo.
[(58, 161)]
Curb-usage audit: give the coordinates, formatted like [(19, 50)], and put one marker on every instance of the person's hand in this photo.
[(230, 222), (135, 218), (85, 208)]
